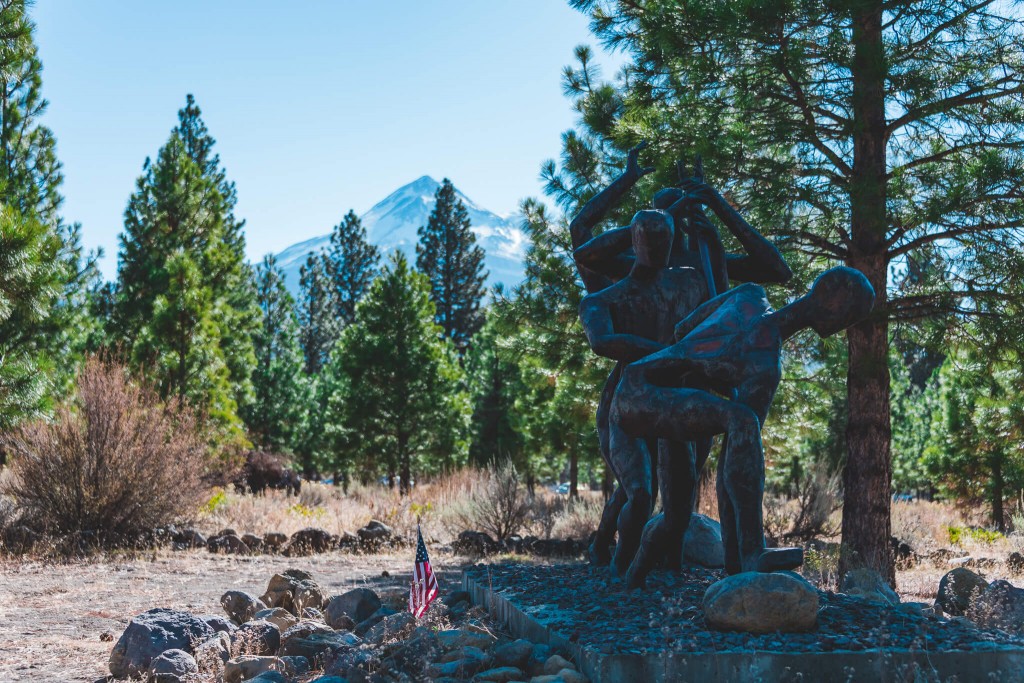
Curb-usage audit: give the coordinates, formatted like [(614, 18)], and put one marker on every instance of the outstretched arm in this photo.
[(702, 312), (597, 324), (762, 263), (604, 254), (593, 212)]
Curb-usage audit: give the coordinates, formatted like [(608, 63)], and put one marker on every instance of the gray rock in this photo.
[(172, 666), (257, 637), (463, 637), (761, 603), (241, 606), (229, 544), (329, 679), (376, 533), (357, 604), (308, 541), (540, 655), (274, 541), (280, 590), (278, 616), (557, 663), (501, 674), (296, 666), (245, 667), (869, 585), (270, 677), (957, 589), (307, 595), (391, 627), (311, 643), (254, 542), (1001, 605), (702, 544), (314, 614), (151, 633), (459, 668), (513, 655), (213, 654), (218, 623)]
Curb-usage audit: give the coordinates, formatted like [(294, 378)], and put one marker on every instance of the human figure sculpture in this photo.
[(627, 321), (607, 258), (729, 346)]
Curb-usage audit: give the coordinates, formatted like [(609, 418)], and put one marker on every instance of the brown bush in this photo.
[(113, 464)]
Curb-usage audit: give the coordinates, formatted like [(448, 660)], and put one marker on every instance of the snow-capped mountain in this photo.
[(392, 224)]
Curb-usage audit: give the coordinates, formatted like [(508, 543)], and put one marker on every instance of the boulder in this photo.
[(1001, 606), (280, 591), (957, 589), (152, 633), (514, 655), (1015, 563), (246, 667), (273, 541), (476, 543), (376, 533), (241, 606), (347, 541), (392, 627), (218, 623), (471, 661), (761, 603), (254, 542), (188, 538), (308, 541), (702, 544), (311, 640), (213, 654), (172, 666), (270, 677), (278, 616), (556, 663), (500, 674), (455, 638), (229, 544), (869, 585), (257, 637), (307, 594), (312, 613), (295, 666), (357, 604)]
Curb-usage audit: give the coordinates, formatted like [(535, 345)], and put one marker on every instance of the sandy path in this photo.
[(51, 616)]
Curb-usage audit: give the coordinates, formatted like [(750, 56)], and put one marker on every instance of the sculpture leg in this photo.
[(633, 463), (604, 538), (663, 534), (727, 518)]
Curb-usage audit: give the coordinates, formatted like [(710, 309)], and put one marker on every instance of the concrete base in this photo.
[(1001, 663)]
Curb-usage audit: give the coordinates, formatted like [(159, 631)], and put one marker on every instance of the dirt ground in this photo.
[(52, 616)]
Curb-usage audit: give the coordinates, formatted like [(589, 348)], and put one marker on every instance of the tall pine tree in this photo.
[(43, 261), (276, 417), (180, 233), (352, 264), (319, 326), (453, 262), (396, 406)]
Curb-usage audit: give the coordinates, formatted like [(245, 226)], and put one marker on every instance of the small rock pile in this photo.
[(295, 633), (966, 595), (373, 537)]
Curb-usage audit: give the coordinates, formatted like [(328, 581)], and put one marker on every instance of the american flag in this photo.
[(424, 583)]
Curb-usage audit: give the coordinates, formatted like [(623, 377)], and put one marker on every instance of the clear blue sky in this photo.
[(317, 106)]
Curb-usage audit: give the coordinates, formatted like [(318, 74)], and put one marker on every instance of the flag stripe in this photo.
[(424, 586)]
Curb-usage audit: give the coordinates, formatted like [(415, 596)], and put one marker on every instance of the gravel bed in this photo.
[(588, 606)]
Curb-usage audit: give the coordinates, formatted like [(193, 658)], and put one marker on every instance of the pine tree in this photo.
[(495, 383), (352, 264), (396, 406), (40, 346), (866, 135), (449, 256), (178, 233), (276, 417), (319, 326)]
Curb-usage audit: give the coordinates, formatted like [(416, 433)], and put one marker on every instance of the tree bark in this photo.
[(998, 486), (574, 474), (867, 475)]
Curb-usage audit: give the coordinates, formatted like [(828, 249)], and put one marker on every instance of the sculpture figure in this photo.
[(607, 258), (729, 346)]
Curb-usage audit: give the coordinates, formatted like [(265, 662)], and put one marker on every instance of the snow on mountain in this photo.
[(392, 224)]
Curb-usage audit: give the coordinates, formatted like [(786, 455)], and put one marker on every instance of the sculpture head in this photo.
[(839, 298), (652, 233), (666, 197)]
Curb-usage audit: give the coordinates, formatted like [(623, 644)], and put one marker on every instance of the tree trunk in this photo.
[(574, 474), (998, 486), (403, 450), (867, 475)]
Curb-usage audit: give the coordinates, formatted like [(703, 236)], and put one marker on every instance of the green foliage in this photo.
[(218, 501), (394, 398), (319, 325), (958, 534), (185, 302), (276, 418), (352, 264), (495, 383), (449, 256)]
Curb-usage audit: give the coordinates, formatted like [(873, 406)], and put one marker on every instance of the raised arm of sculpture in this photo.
[(593, 212), (762, 263), (604, 340)]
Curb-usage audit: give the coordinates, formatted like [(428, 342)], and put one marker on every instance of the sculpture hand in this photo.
[(699, 192), (633, 168), (703, 229)]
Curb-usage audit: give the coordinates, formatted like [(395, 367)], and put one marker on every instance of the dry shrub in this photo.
[(113, 464), (579, 518), (811, 513), (497, 504)]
